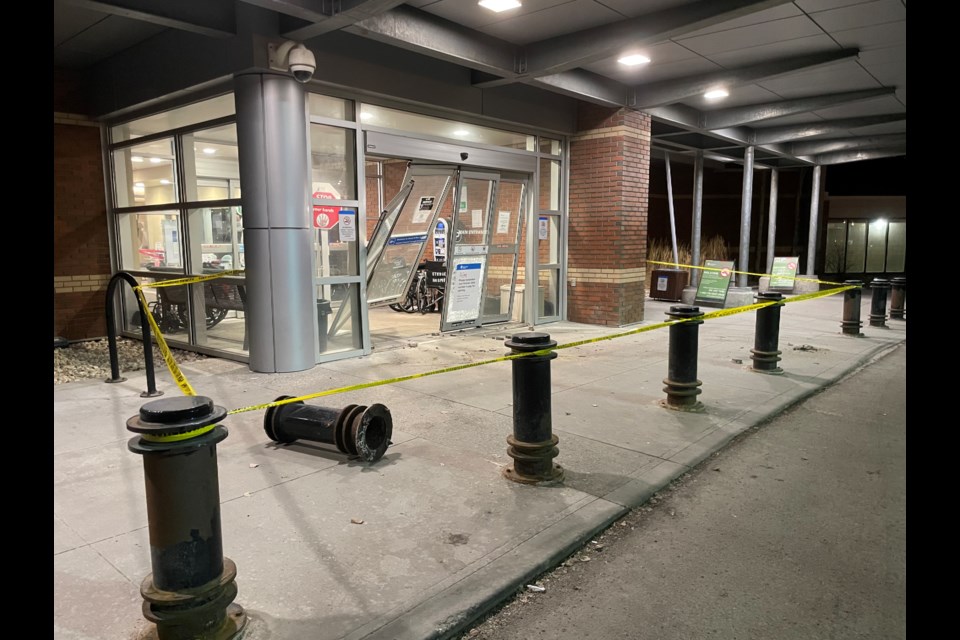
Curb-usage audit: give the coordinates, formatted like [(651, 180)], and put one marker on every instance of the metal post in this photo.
[(533, 446), (766, 353), (673, 223), (772, 221), (814, 216), (189, 595), (898, 296), (144, 331), (697, 216), (356, 430), (745, 207), (852, 299), (878, 302), (682, 386)]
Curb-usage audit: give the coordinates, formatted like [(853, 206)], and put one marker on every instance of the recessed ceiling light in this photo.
[(209, 151), (716, 94), (499, 5), (634, 59), (138, 184), (164, 181), (461, 132), (136, 159), (156, 160)]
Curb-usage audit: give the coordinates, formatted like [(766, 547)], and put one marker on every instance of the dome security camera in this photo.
[(302, 63)]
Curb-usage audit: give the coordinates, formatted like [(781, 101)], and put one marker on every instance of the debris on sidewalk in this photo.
[(536, 588), (356, 520)]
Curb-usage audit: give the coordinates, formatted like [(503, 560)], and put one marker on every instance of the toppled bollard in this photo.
[(766, 339), (852, 299), (878, 302), (898, 297), (189, 595), (533, 446), (682, 386), (356, 430)]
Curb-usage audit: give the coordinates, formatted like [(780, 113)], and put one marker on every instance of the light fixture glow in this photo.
[(136, 159), (156, 160), (164, 181), (461, 132), (716, 94), (366, 115), (138, 184), (633, 60), (499, 5), (209, 151)]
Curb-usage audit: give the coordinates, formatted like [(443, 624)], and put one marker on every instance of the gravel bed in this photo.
[(90, 359)]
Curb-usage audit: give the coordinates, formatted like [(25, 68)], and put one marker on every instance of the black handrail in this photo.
[(144, 327)]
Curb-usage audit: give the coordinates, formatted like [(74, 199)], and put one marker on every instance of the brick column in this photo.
[(81, 250), (609, 182)]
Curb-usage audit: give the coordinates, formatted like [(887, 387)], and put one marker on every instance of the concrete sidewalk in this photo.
[(444, 535)]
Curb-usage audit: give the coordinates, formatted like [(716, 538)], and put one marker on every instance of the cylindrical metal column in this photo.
[(697, 216), (878, 302), (356, 430), (189, 595), (272, 131), (682, 386), (533, 446), (814, 217), (766, 339), (745, 208), (852, 300), (898, 297), (772, 221), (673, 221)]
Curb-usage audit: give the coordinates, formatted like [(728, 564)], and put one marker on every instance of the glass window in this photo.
[(553, 147), (328, 107), (338, 317), (548, 293), (877, 246), (897, 247), (150, 241), (211, 109), (333, 163), (145, 174), (416, 123), (337, 243), (856, 247), (549, 185), (548, 239), (211, 164), (216, 239), (836, 245)]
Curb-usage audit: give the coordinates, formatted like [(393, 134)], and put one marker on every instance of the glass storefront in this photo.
[(866, 246)]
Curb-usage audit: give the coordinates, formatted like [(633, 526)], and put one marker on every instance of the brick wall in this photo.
[(609, 174), (81, 252)]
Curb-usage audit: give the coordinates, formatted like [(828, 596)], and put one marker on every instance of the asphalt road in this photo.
[(797, 530)]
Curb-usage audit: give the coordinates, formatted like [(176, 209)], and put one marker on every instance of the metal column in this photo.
[(272, 137), (814, 215), (772, 221), (746, 205), (673, 223), (697, 216)]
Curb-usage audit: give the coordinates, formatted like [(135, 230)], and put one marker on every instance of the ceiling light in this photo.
[(209, 151), (716, 94), (633, 60), (499, 5), (138, 184), (461, 132), (136, 159), (156, 160), (164, 181)]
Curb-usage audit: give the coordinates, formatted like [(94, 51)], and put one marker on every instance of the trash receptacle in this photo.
[(323, 310), (668, 284)]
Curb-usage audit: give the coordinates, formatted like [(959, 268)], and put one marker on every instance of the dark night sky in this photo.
[(881, 177)]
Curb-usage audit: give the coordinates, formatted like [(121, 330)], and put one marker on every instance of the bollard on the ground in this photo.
[(682, 386), (533, 446), (766, 340), (189, 595), (898, 297), (852, 300), (356, 430), (878, 302)]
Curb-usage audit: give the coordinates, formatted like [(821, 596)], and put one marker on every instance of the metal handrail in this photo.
[(144, 327)]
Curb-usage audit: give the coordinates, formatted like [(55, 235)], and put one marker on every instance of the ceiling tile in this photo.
[(861, 15), (811, 6), (68, 21), (877, 36), (833, 78), (766, 33), (469, 14), (632, 8), (774, 51), (787, 10), (112, 35)]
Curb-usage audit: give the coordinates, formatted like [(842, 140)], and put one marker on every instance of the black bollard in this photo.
[(682, 385), (898, 296), (878, 302), (189, 595), (532, 444), (766, 339), (852, 300), (355, 430)]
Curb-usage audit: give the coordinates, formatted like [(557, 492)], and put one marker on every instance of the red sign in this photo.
[(325, 217)]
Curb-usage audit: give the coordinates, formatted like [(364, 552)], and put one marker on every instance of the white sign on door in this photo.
[(503, 222), (348, 226)]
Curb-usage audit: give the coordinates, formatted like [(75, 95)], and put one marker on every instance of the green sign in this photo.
[(714, 282), (783, 273)]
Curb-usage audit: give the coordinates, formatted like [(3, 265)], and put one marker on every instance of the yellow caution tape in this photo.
[(190, 280), (179, 436), (178, 376), (707, 316), (749, 273)]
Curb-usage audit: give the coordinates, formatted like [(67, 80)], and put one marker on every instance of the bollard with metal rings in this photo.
[(682, 386), (356, 430), (852, 300), (189, 595), (878, 302), (533, 446), (766, 339), (898, 297)]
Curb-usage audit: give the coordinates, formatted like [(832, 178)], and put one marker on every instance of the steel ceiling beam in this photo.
[(818, 147), (840, 157), (734, 116), (588, 86), (667, 92), (212, 18), (792, 132), (305, 19)]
